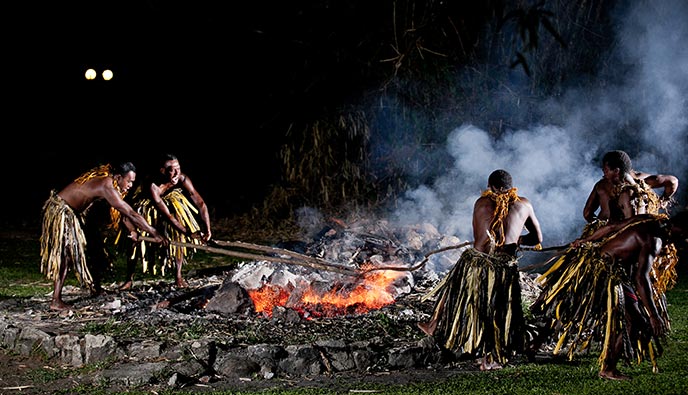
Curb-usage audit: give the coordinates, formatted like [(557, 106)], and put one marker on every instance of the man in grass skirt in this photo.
[(64, 234), (173, 205), (478, 309), (611, 292)]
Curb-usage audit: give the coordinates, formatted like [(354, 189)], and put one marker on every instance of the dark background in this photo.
[(219, 84), (226, 86), (216, 83)]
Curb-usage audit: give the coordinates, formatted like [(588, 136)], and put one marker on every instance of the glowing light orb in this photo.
[(107, 75), (90, 74)]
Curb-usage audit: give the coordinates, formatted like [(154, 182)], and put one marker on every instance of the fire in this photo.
[(268, 296), (371, 291)]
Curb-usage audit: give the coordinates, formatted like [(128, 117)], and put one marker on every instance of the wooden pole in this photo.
[(296, 258)]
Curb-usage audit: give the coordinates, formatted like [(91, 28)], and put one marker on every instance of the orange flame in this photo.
[(372, 292)]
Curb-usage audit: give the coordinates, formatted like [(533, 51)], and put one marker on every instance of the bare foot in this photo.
[(126, 285), (488, 363), (427, 327), (181, 283), (613, 374), (59, 305)]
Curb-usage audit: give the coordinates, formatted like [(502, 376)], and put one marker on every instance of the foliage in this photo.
[(381, 102)]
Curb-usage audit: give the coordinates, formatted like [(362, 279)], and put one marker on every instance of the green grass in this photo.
[(20, 270)]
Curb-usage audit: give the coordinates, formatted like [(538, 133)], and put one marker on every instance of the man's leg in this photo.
[(131, 267), (429, 327), (57, 303), (609, 370), (181, 283), (97, 257)]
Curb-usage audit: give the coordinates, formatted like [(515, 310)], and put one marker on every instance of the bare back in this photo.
[(80, 196), (519, 217)]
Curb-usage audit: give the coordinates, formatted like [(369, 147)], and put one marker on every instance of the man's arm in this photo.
[(164, 210), (666, 181), (610, 228), (532, 225), (133, 232), (200, 204), (113, 197), (593, 203)]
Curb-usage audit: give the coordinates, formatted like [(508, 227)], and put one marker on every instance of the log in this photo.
[(296, 258)]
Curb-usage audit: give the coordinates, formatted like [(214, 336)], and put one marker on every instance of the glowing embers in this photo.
[(338, 296)]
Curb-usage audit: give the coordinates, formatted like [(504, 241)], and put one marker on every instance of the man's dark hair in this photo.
[(617, 159), (123, 168), (500, 180), (167, 157)]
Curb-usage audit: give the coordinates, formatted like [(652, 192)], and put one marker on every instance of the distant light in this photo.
[(90, 74), (107, 75)]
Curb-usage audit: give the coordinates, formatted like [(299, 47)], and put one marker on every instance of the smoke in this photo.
[(640, 109), (653, 38)]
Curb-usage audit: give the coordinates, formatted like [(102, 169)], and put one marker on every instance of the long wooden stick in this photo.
[(544, 249), (423, 262), (297, 259), (274, 250), (539, 265)]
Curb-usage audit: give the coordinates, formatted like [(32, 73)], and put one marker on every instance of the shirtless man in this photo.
[(63, 241), (638, 241), (499, 219), (163, 201), (503, 225), (615, 202)]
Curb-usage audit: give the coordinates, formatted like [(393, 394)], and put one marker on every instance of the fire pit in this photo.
[(347, 302)]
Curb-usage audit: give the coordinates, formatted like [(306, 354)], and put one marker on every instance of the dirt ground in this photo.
[(30, 375), (33, 375)]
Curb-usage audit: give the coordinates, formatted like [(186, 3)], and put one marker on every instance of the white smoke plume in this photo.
[(556, 166)]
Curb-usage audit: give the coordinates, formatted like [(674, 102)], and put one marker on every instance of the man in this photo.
[(623, 192), (616, 295), (163, 201), (478, 310), (63, 236)]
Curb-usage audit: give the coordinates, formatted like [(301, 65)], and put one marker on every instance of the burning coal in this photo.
[(362, 282), (370, 291)]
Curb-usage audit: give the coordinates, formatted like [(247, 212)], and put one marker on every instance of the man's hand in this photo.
[(134, 236), (658, 326), (666, 202), (577, 243), (158, 238), (204, 237)]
